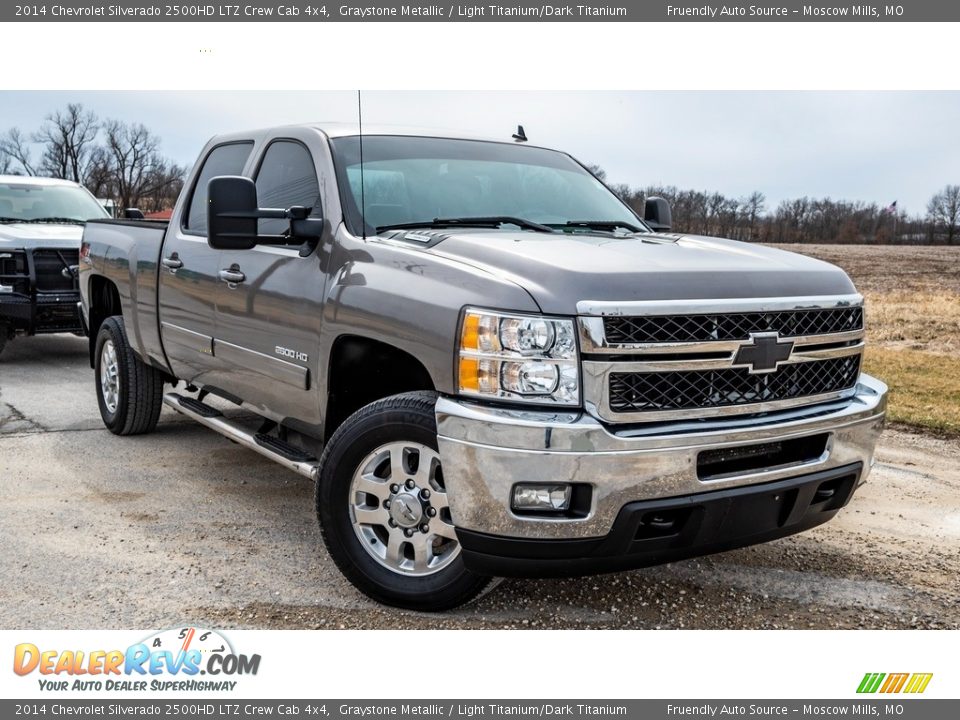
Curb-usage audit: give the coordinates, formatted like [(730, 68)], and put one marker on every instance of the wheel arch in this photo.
[(104, 302), (362, 370)]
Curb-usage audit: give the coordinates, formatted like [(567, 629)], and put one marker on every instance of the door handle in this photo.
[(232, 276), (172, 262)]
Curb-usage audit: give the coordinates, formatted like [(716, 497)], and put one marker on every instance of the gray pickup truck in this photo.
[(41, 220), (489, 365)]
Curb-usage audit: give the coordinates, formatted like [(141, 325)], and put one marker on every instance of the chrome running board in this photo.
[(289, 456)]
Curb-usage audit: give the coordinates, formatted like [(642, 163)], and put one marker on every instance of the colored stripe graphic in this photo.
[(894, 683), (918, 682), (870, 682)]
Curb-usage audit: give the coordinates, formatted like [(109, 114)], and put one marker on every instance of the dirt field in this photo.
[(913, 326), (182, 526)]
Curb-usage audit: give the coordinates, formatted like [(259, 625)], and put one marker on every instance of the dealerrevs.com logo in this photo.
[(894, 683), (180, 659)]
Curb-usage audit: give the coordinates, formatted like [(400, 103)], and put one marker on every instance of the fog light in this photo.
[(549, 498)]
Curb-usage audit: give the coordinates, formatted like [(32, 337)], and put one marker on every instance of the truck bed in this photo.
[(128, 253)]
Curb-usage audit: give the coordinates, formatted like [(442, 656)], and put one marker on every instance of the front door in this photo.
[(189, 274), (270, 299)]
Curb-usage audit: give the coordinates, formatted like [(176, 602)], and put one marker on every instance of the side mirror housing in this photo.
[(656, 213), (133, 214), (232, 216), (231, 213)]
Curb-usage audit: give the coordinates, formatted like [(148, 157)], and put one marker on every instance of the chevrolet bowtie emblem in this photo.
[(764, 353)]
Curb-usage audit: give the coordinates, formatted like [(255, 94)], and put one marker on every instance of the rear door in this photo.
[(189, 279), (268, 323)]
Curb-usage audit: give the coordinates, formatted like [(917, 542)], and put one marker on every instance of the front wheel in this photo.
[(383, 510)]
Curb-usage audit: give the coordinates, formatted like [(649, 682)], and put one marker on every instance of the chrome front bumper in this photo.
[(486, 450)]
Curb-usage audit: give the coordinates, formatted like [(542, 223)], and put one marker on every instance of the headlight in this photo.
[(519, 357)]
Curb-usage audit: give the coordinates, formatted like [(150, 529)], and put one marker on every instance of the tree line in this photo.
[(802, 220), (114, 160)]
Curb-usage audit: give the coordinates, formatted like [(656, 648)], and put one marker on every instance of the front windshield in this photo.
[(26, 202), (409, 180)]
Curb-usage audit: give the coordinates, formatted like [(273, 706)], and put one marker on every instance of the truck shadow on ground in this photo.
[(45, 349)]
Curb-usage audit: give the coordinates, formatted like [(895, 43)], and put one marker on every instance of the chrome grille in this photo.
[(696, 389), (662, 360), (732, 326)]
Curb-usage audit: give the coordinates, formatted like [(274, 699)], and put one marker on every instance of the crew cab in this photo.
[(488, 364), (41, 221)]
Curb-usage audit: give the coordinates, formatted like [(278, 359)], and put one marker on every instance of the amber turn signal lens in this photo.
[(470, 338), (469, 374)]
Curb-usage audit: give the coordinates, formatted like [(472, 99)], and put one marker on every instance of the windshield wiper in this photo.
[(58, 220), (604, 225), (494, 221)]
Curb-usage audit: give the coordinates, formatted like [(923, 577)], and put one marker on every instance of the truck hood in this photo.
[(28, 236), (559, 271)]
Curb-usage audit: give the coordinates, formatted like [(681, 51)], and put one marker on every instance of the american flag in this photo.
[(892, 209)]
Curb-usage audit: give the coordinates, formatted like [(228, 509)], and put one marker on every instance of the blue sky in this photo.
[(870, 146)]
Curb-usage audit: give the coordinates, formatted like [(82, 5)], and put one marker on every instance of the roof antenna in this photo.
[(519, 135), (363, 202)]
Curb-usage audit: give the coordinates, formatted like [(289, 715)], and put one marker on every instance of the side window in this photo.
[(222, 160), (286, 178)]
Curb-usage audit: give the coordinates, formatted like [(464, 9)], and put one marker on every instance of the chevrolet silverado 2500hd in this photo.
[(489, 365), (41, 221)]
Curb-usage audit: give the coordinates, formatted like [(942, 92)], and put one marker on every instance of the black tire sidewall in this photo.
[(113, 330), (360, 435)]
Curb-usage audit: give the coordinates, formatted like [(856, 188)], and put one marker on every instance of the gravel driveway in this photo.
[(182, 526)]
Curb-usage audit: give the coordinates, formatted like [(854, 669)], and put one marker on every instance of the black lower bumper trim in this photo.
[(42, 313), (653, 532)]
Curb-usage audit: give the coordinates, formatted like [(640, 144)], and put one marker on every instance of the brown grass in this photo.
[(922, 321), (924, 388), (913, 326)]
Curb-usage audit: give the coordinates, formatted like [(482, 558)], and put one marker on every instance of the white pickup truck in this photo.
[(41, 221)]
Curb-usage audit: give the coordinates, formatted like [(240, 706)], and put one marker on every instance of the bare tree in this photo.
[(598, 172), (163, 185), (753, 207), (99, 177), (67, 137), (944, 211), (14, 147), (134, 159)]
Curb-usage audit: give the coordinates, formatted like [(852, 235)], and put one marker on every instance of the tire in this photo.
[(129, 392), (415, 564)]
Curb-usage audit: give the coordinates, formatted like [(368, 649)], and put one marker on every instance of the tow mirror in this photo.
[(232, 213), (232, 216), (133, 214), (656, 213)]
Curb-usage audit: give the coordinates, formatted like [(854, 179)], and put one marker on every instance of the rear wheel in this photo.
[(383, 510), (129, 392)]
